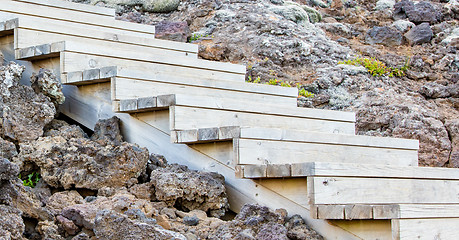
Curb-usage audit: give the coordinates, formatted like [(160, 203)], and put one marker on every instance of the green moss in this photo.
[(378, 68), (31, 180)]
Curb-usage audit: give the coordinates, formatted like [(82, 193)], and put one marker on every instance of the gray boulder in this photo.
[(419, 34), (11, 223), (416, 13), (387, 36)]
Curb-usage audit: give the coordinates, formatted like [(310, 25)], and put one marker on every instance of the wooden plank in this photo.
[(73, 61), (358, 212), (133, 88), (193, 118), (407, 211), (73, 6), (259, 151), (99, 36), (428, 229), (330, 211), (278, 171), (248, 171), (372, 170), (341, 190), (130, 52), (21, 8)]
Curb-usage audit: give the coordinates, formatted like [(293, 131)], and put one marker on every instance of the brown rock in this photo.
[(174, 31)]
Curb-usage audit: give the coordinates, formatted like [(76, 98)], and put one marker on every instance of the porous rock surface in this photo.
[(23, 113), (177, 185), (84, 163)]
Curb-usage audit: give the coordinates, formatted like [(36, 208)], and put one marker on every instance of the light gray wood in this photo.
[(146, 103), (73, 61), (248, 171), (425, 229), (108, 72), (229, 132), (165, 100), (73, 6), (278, 171), (134, 88), (260, 151), (207, 134), (42, 49), (128, 105), (330, 212), (386, 211), (184, 118), (372, 170), (341, 190), (91, 74), (21, 8), (31, 33), (358, 212)]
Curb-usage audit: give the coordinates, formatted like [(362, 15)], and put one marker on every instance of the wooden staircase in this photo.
[(204, 115)]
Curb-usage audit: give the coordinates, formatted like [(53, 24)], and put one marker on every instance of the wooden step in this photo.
[(193, 112), (425, 229), (393, 211), (329, 169), (130, 85), (73, 6), (284, 146), (31, 31), (14, 8), (357, 190), (77, 56)]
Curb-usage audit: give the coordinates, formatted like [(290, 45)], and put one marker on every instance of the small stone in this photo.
[(174, 31), (403, 25), (384, 4), (387, 36), (419, 34), (191, 220), (67, 225)]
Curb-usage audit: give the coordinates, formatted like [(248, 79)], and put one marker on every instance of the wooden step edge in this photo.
[(43, 51), (285, 135), (145, 104), (205, 135), (384, 211), (7, 27), (73, 6), (89, 76), (329, 169)]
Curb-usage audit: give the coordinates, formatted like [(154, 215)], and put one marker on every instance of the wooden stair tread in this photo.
[(73, 6), (330, 169), (34, 31), (128, 54), (389, 211), (52, 12)]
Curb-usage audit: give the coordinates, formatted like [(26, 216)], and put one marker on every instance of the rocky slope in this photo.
[(58, 183), (303, 41)]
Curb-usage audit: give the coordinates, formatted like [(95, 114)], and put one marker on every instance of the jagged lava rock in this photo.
[(416, 13), (298, 230), (111, 225), (11, 223), (23, 113), (108, 131), (7, 149), (82, 163), (174, 31), (47, 83), (177, 185), (253, 222)]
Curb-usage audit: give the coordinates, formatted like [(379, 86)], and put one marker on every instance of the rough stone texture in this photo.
[(84, 214), (298, 230), (403, 25), (107, 131), (253, 222), (82, 163), (384, 35), (177, 185), (436, 90), (49, 230), (47, 83), (7, 149), (419, 34), (174, 31), (417, 13), (68, 225), (63, 129), (384, 4), (8, 170), (113, 225), (59, 200), (11, 224), (452, 126), (23, 113), (156, 6)]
